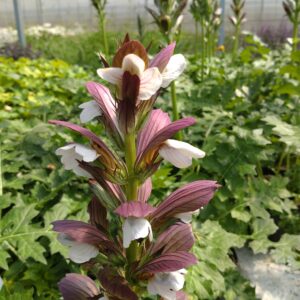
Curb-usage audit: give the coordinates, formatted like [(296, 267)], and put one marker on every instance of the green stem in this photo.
[(1, 184), (130, 157), (103, 33), (259, 170), (282, 156), (288, 162), (295, 33), (175, 107), (203, 49), (131, 187), (196, 39), (236, 40)]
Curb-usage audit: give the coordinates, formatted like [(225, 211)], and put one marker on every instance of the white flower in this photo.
[(1, 283), (243, 92), (90, 110), (135, 228), (72, 153), (187, 216), (218, 11), (150, 79), (167, 284), (180, 154), (79, 252), (173, 70)]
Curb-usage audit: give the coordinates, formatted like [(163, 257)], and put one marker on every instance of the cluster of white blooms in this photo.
[(9, 34), (48, 28)]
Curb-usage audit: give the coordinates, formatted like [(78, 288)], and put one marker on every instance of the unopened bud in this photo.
[(165, 23)]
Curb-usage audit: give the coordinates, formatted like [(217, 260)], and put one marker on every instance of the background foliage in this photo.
[(248, 117)]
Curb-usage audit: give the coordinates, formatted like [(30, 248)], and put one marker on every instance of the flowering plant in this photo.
[(238, 18), (292, 10), (129, 246)]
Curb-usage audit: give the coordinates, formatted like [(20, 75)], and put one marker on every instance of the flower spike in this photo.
[(128, 245)]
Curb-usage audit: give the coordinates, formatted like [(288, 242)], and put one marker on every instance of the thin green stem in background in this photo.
[(1, 184), (295, 32), (282, 156), (103, 33), (196, 38), (236, 40), (203, 49)]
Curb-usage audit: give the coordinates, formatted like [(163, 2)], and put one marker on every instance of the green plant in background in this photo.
[(207, 14), (141, 28), (250, 129), (34, 189), (238, 18), (168, 19), (292, 9), (100, 8)]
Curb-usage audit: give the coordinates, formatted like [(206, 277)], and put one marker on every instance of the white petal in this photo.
[(133, 64), (186, 217), (61, 150), (68, 156), (135, 228), (179, 153), (151, 81), (1, 283), (175, 157), (156, 288), (185, 148), (167, 284), (88, 154), (178, 22), (72, 153), (82, 252), (90, 110), (174, 69), (112, 75)]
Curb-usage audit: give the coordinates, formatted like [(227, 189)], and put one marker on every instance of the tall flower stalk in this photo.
[(129, 248), (100, 8), (292, 9), (207, 13), (238, 18), (168, 18)]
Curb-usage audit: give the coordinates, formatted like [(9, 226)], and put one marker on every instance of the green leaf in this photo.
[(3, 258), (211, 248), (19, 235), (287, 250), (262, 228), (289, 134)]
